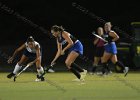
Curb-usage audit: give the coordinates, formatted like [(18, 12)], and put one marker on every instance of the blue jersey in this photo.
[(111, 46), (77, 47)]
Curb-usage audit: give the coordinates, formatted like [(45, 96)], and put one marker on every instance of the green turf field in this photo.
[(60, 87)]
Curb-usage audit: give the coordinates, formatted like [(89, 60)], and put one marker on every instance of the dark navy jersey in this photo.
[(107, 37), (63, 41)]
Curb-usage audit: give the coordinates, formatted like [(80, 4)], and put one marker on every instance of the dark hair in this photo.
[(57, 28), (30, 39)]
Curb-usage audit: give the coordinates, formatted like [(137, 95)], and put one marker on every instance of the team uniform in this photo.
[(99, 48), (110, 47), (77, 47), (31, 53)]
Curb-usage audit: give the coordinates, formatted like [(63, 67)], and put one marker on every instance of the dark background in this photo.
[(46, 13)]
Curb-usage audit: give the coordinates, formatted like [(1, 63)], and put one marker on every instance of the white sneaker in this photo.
[(37, 80), (85, 71), (76, 80), (83, 74), (126, 71), (99, 73), (51, 71)]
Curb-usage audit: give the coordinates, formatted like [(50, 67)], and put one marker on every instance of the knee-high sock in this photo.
[(105, 67), (17, 68), (40, 71), (77, 67), (118, 63), (94, 68), (75, 72)]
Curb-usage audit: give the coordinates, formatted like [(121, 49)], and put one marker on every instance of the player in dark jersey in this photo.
[(110, 52), (99, 49), (32, 50), (75, 48)]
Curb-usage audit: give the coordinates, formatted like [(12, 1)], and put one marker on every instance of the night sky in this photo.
[(45, 13)]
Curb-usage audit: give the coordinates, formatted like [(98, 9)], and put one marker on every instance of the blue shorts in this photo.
[(29, 54), (77, 47), (111, 48)]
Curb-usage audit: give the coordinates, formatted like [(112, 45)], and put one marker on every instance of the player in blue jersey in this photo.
[(110, 52), (74, 47), (32, 50)]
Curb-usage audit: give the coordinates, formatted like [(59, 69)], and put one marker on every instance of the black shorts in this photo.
[(29, 54), (99, 51)]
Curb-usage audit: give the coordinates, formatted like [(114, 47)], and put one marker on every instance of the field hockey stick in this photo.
[(20, 72), (93, 33), (46, 70)]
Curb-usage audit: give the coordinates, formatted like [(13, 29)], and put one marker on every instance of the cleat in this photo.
[(83, 75), (76, 80), (38, 79), (51, 70), (126, 71), (10, 75)]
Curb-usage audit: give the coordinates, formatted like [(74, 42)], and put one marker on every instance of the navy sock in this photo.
[(76, 73), (105, 68), (77, 67), (118, 63), (94, 68)]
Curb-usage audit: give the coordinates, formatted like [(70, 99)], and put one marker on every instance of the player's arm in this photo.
[(58, 54), (16, 52), (114, 35), (68, 39)]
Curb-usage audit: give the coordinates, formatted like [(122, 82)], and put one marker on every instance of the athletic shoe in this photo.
[(51, 70), (91, 73), (99, 73), (11, 75), (39, 79), (85, 71), (108, 73), (83, 74), (76, 80), (126, 71)]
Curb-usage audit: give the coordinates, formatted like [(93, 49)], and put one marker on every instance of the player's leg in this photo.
[(98, 55), (18, 66), (118, 63), (70, 59), (95, 63), (104, 60), (40, 70), (74, 68)]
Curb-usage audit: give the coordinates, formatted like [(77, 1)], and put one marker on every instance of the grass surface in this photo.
[(59, 86)]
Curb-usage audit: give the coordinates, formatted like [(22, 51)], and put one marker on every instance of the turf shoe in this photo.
[(38, 79), (51, 70), (126, 71), (11, 75), (83, 74)]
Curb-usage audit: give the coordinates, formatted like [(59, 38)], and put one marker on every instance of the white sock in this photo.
[(40, 71), (17, 68)]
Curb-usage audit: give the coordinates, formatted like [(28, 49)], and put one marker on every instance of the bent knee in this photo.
[(68, 64)]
